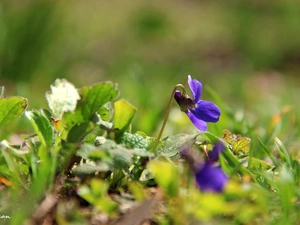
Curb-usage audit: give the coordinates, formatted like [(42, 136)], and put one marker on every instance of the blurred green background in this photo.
[(246, 52)]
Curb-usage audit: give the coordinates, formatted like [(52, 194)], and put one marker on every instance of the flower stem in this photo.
[(167, 115)]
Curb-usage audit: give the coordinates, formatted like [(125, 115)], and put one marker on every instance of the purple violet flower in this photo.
[(211, 177), (213, 155), (199, 111)]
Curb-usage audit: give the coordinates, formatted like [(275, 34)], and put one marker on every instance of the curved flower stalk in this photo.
[(199, 111), (208, 175)]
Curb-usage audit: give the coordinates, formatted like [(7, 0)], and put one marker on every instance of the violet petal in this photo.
[(216, 151), (200, 124), (211, 178), (196, 88), (206, 111)]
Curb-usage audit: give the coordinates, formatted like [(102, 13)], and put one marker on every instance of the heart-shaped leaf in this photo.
[(124, 113), (93, 97)]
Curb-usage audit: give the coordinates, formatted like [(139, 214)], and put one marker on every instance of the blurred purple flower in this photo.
[(199, 111), (213, 155), (211, 177)]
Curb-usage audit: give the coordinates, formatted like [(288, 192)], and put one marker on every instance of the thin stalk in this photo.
[(167, 114)]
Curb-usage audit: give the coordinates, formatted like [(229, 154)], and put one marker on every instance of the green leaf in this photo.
[(72, 118), (89, 151), (257, 164), (238, 144), (62, 98), (96, 119), (85, 150), (124, 113), (150, 141), (12, 165), (116, 155), (104, 113), (4, 169), (16, 151), (24, 168), (11, 108), (176, 143), (79, 131), (42, 127), (234, 162), (88, 169), (166, 175), (210, 137), (133, 141), (142, 152), (137, 190), (269, 154), (122, 158), (96, 194), (283, 152), (137, 144), (93, 97)]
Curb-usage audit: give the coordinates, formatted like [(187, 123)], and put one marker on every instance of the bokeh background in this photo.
[(246, 54)]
